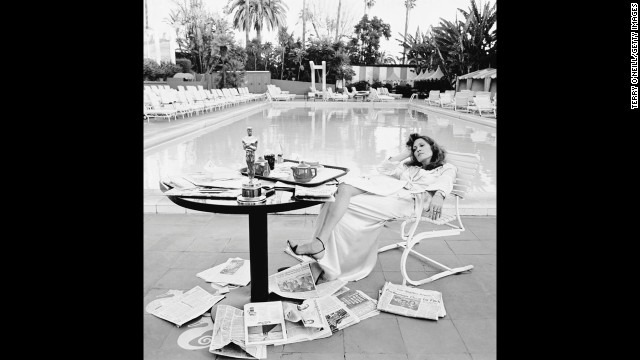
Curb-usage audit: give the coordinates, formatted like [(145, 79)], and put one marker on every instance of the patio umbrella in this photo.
[(183, 76)]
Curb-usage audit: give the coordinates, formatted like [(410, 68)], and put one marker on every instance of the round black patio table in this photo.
[(257, 228)]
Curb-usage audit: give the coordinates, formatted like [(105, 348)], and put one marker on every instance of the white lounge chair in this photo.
[(467, 166), (461, 102), (374, 96), (434, 98), (482, 103), (336, 97), (446, 101), (274, 95), (153, 107)]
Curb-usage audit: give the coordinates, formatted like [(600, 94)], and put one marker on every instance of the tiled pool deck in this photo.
[(178, 244)]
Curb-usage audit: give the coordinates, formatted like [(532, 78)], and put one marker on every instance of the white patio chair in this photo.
[(447, 225), (434, 98), (336, 97), (482, 103)]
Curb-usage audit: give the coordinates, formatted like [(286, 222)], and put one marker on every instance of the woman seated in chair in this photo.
[(345, 236)]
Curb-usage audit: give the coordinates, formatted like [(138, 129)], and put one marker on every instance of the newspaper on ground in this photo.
[(162, 299), (305, 322), (184, 307), (347, 307), (299, 282), (235, 271), (264, 323), (282, 322), (361, 304), (228, 335), (411, 302)]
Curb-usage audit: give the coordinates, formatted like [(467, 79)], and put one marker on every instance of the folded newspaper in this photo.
[(228, 335), (235, 271), (346, 307), (278, 323), (299, 282), (411, 302), (204, 193), (181, 308)]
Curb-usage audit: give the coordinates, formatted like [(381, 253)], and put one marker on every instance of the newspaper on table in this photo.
[(298, 282), (235, 271), (228, 335), (412, 302), (347, 307), (204, 193), (184, 307), (316, 193), (279, 323)]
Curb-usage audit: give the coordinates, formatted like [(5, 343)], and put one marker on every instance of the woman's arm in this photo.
[(392, 166), (401, 156)]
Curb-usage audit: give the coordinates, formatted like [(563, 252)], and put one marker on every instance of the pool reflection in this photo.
[(357, 138)]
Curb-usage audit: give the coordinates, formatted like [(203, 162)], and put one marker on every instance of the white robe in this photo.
[(352, 248)]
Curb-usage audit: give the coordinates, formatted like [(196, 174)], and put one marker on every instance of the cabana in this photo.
[(435, 75), (481, 80)]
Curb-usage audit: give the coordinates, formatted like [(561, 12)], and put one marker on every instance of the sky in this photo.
[(426, 13)]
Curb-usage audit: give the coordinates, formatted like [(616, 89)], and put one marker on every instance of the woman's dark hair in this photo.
[(437, 159)]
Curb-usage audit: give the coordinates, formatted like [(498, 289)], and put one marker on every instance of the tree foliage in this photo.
[(458, 47), (363, 47)]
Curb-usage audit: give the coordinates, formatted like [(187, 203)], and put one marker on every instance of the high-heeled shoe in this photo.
[(313, 255)]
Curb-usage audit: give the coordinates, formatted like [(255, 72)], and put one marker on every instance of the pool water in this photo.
[(356, 138)]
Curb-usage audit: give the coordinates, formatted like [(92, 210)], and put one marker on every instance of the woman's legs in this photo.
[(335, 212)]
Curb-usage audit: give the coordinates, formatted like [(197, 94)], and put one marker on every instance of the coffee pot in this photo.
[(303, 172), (262, 167)]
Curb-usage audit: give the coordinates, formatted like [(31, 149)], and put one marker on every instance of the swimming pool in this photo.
[(356, 138)]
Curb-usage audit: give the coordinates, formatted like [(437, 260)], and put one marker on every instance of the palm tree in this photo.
[(267, 48), (273, 12), (304, 20), (368, 4), (409, 4), (283, 40), (242, 16), (338, 20)]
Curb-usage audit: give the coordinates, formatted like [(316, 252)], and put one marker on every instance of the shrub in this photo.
[(168, 69), (405, 90), (149, 69), (185, 64), (377, 84), (360, 85), (441, 85)]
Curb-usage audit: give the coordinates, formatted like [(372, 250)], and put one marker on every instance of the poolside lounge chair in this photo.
[(374, 96), (461, 102), (153, 107), (227, 97), (169, 99), (336, 97), (482, 103), (384, 91), (274, 95), (434, 98), (447, 225), (446, 101)]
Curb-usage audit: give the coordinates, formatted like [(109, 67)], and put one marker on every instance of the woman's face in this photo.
[(422, 151)]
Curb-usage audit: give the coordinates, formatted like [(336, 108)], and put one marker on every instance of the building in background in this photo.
[(159, 39)]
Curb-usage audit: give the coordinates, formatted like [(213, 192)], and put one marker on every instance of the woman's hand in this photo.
[(436, 206)]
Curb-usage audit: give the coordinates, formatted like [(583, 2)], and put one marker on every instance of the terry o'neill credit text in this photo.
[(634, 56)]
